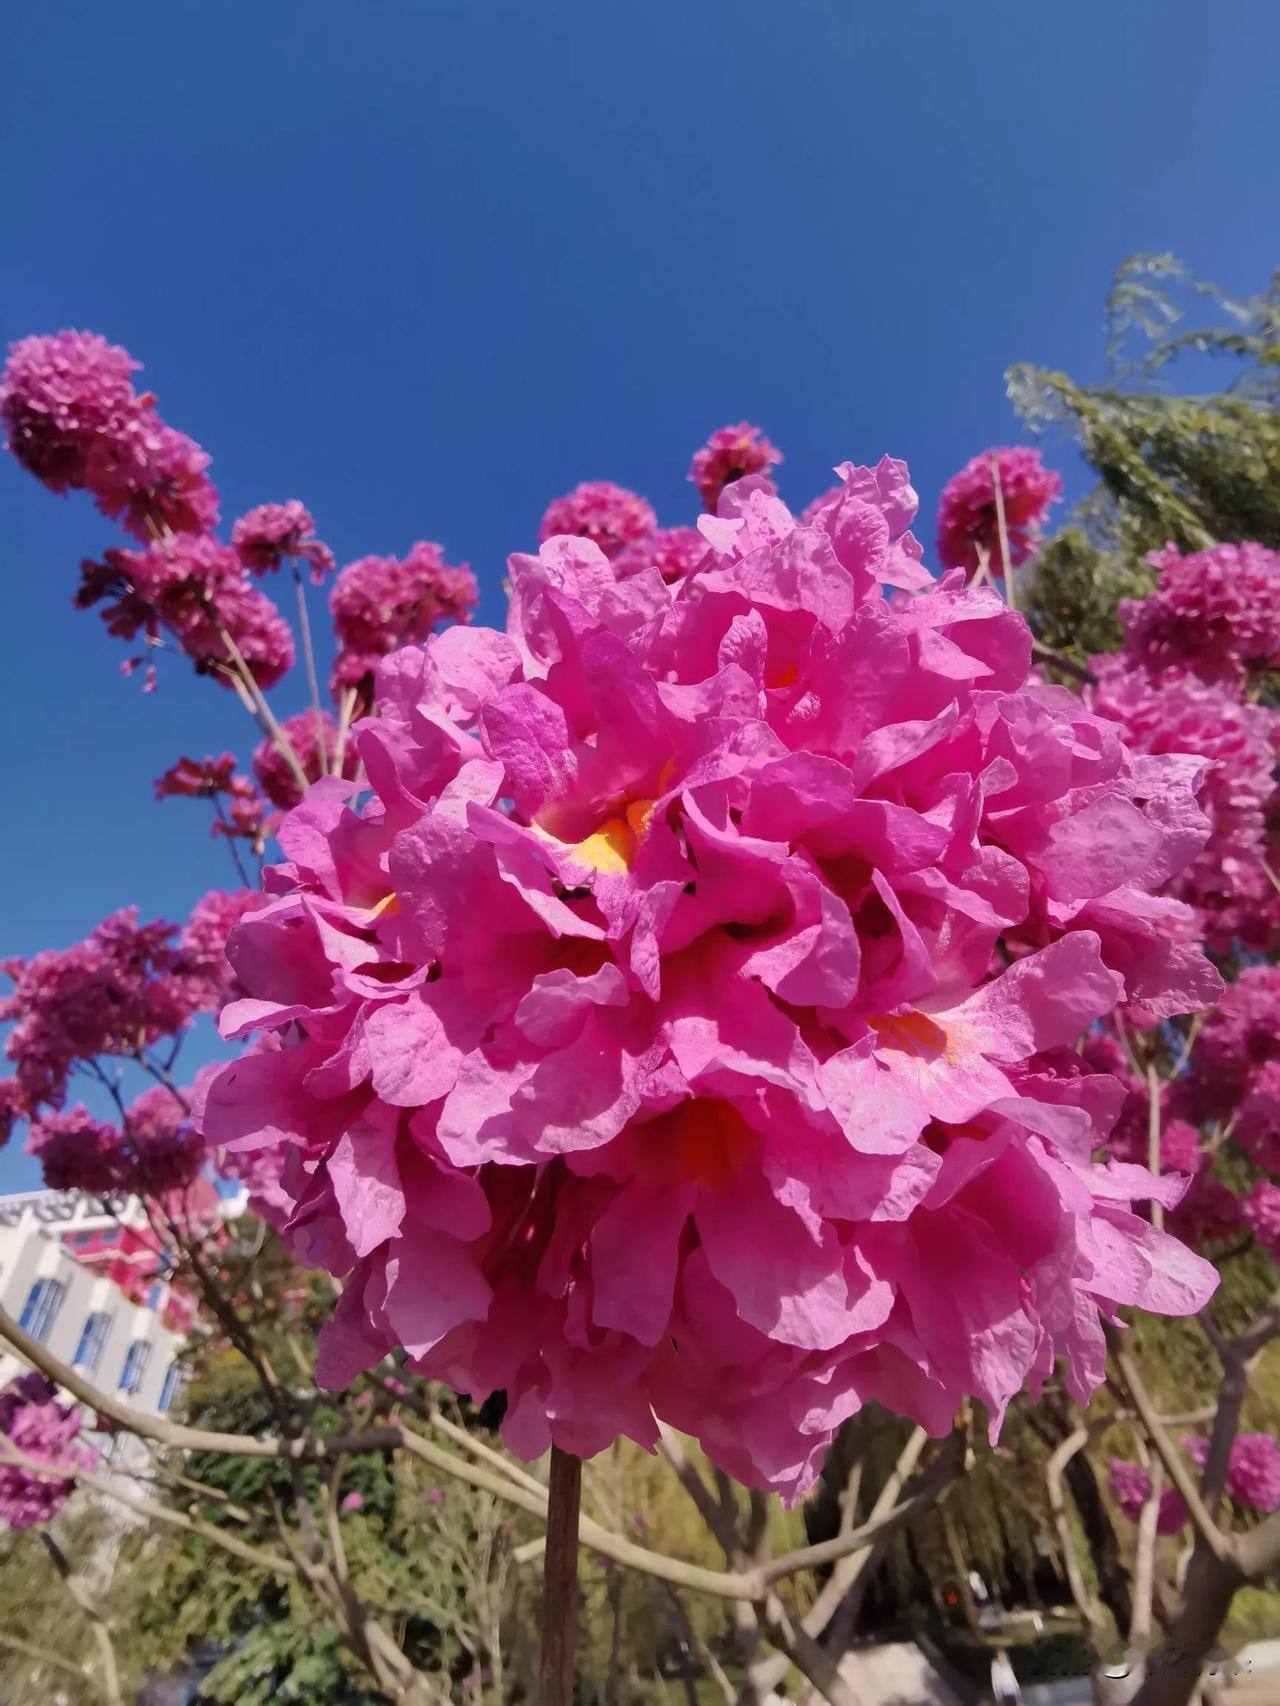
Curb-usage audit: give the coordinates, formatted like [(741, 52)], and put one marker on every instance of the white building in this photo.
[(64, 1261)]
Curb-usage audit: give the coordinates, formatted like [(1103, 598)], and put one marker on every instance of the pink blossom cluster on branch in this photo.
[(1237, 743), (1215, 613), (968, 530), (640, 1051), (379, 604), (1253, 1480), (48, 1432)]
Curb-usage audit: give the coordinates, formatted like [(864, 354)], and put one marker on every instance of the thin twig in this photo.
[(265, 714)]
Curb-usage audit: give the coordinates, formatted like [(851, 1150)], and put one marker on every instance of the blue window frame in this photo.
[(135, 1366), (172, 1377), (93, 1337), (40, 1310)]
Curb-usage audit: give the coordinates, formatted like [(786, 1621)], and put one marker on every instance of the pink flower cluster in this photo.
[(73, 419), (244, 814), (1253, 1480), (379, 604), (273, 533), (640, 1052), (155, 1151), (197, 592), (610, 516), (314, 740), (967, 523), (673, 551), (116, 992), (731, 453), (46, 1431), (207, 978), (1237, 742), (1215, 613)]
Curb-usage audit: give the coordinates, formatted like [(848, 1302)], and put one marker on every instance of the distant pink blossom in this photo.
[(967, 522), (47, 1432), (1215, 613), (202, 946), (352, 1502), (265, 537), (379, 604), (731, 453), (62, 395), (194, 591), (610, 516), (113, 993), (674, 552), (153, 480), (1236, 744), (1253, 1478), (1131, 1488), (76, 1152), (1261, 1213), (640, 1048), (315, 750)]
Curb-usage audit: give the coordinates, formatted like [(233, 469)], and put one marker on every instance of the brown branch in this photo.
[(42, 1655), (559, 1619), (1046, 654), (1174, 1463), (1088, 1607)]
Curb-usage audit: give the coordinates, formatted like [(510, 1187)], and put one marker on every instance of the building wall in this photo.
[(38, 1233)]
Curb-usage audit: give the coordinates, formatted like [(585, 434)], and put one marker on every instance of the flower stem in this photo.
[(309, 658), (345, 713), (266, 715), (1002, 530), (560, 1581)]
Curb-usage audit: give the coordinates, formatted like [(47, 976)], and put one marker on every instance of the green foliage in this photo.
[(1190, 469)]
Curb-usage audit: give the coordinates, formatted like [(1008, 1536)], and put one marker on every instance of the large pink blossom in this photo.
[(267, 536), (314, 739), (1238, 742), (114, 993), (381, 603), (610, 516), (1215, 613), (639, 1049), (731, 453), (968, 528), (47, 1432)]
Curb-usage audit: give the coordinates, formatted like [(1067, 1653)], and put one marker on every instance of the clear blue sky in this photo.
[(426, 263)]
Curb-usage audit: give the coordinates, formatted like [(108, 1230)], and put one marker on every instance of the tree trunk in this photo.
[(1175, 1670)]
